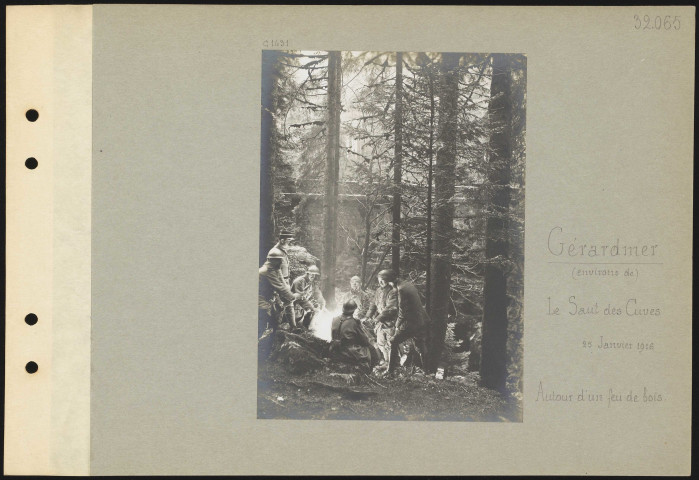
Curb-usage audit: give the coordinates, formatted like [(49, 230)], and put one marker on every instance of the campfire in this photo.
[(321, 324)]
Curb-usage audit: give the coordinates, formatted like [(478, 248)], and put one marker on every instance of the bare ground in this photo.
[(341, 393)]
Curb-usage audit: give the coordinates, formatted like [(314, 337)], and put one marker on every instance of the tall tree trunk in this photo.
[(267, 147), (494, 344), (428, 246), (397, 164), (332, 152), (444, 188), (367, 244), (369, 210)]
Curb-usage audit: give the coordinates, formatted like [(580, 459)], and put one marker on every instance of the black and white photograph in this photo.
[(391, 235), (437, 260)]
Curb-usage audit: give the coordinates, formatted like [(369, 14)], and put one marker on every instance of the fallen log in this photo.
[(297, 358), (306, 340)]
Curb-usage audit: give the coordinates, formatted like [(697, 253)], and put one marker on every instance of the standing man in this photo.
[(285, 239), (311, 297), (273, 294), (383, 312), (412, 320)]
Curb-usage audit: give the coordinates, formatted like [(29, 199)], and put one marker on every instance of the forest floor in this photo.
[(334, 391)]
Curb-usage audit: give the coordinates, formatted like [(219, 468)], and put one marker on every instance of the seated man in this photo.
[(311, 300), (359, 296), (350, 342)]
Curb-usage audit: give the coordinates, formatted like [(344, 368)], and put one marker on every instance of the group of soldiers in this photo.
[(279, 298), (394, 314)]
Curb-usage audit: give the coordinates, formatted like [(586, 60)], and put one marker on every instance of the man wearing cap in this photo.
[(349, 340), (285, 239), (412, 320), (307, 286), (383, 311), (273, 294)]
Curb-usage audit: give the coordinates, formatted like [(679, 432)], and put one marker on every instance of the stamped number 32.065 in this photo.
[(647, 22)]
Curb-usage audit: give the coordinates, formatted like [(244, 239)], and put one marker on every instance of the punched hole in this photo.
[(31, 163), (31, 367), (31, 319), (32, 115)]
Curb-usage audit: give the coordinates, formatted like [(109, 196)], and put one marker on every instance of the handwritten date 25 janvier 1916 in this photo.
[(656, 22), (619, 344)]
